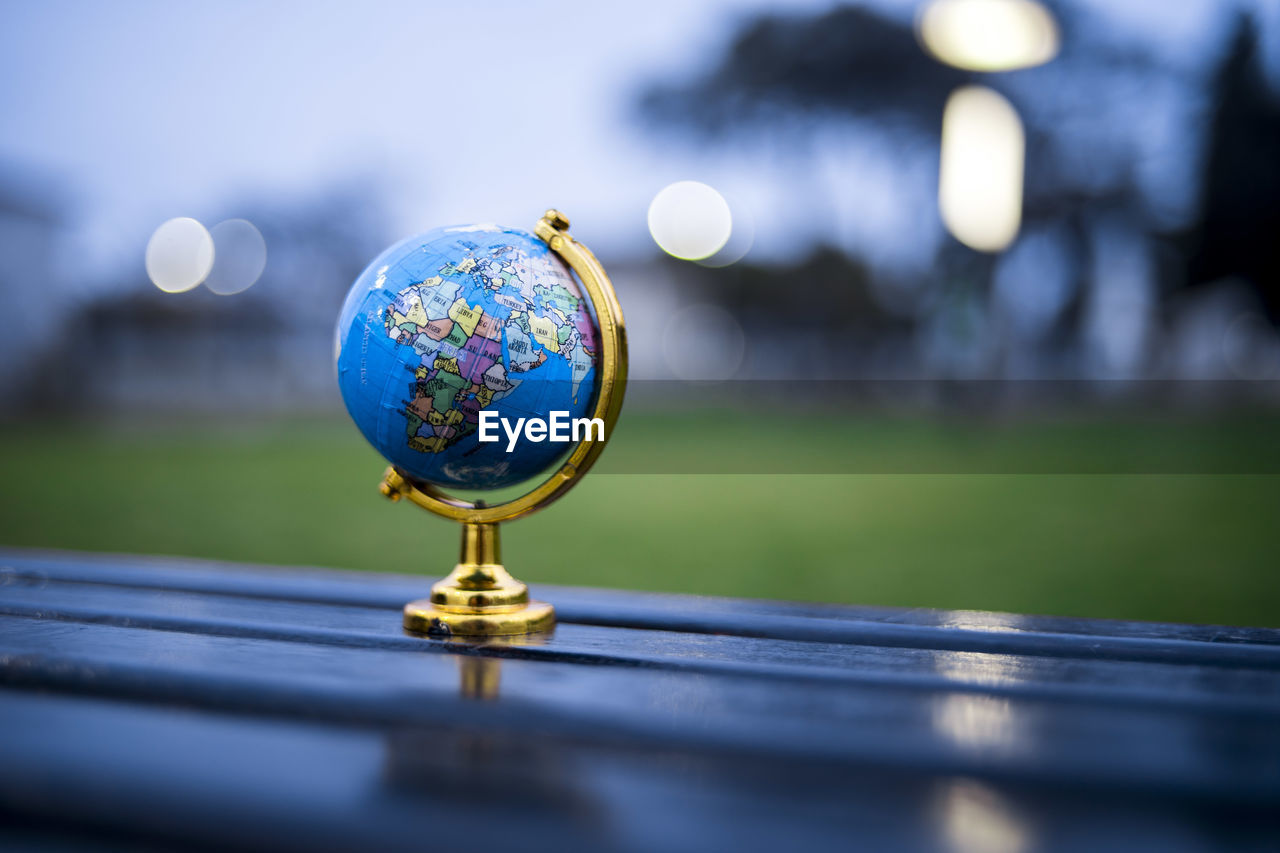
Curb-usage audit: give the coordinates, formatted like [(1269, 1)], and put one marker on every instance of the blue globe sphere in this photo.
[(456, 321)]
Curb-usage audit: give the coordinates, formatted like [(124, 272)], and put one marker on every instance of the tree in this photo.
[(1239, 229)]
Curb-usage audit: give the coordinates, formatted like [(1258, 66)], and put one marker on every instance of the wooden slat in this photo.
[(1191, 686), (108, 774), (391, 590), (958, 631), (1165, 749)]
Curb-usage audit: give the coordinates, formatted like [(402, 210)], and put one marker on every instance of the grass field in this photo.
[(1015, 517)]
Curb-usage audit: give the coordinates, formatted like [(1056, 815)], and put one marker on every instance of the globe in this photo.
[(456, 321)]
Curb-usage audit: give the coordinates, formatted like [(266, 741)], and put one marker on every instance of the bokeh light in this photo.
[(988, 35), (703, 342), (980, 177), (179, 255), (240, 256), (690, 220), (742, 236), (978, 819)]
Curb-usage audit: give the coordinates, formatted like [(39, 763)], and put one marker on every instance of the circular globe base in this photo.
[(423, 617)]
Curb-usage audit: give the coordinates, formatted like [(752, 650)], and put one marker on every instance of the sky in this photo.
[(136, 112)]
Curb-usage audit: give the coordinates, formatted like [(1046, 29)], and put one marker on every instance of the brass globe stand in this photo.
[(480, 597)]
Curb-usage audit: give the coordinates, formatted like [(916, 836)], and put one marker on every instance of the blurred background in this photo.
[(963, 304)]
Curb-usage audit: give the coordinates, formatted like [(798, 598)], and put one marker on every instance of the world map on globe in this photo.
[(457, 321)]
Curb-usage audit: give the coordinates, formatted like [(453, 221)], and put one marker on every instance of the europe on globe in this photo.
[(458, 320)]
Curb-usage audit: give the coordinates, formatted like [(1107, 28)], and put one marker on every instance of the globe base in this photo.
[(479, 598), (423, 617)]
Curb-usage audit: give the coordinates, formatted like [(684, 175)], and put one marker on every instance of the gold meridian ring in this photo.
[(553, 228)]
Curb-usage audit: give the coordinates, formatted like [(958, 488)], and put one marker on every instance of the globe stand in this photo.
[(480, 597)]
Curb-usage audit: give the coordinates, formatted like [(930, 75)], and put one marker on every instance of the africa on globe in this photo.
[(456, 321)]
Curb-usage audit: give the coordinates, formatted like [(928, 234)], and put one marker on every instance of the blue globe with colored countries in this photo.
[(454, 322)]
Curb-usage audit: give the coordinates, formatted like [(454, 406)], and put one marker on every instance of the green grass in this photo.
[(1196, 547)]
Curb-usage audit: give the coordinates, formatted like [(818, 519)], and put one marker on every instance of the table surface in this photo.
[(169, 702)]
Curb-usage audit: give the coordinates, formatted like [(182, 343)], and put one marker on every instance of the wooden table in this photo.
[(173, 702)]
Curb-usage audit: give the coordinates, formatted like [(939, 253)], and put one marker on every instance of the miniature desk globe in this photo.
[(458, 325)]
